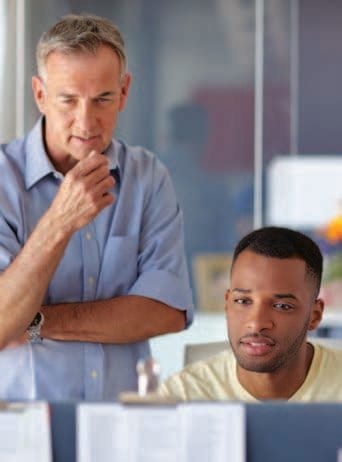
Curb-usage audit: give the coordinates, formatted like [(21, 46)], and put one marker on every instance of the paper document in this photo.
[(202, 431), (25, 432), (214, 432)]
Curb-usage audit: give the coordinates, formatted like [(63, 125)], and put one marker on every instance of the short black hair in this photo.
[(278, 242)]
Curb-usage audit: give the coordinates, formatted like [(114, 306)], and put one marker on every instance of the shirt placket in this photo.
[(93, 352)]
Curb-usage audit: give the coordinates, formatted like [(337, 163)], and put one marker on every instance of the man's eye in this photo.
[(102, 100), (283, 306), (67, 101), (242, 301)]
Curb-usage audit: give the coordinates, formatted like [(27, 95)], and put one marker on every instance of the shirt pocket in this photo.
[(119, 268)]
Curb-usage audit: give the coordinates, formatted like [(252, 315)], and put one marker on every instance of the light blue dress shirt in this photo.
[(133, 247)]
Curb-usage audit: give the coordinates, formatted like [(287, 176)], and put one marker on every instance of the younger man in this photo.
[(271, 305)]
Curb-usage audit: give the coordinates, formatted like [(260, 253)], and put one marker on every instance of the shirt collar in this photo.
[(38, 164)]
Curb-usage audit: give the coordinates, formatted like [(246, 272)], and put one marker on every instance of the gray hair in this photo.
[(80, 33)]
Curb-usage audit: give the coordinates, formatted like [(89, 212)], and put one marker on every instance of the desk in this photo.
[(276, 432)]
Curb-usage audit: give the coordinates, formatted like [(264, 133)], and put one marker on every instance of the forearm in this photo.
[(24, 283), (123, 319), (81, 196)]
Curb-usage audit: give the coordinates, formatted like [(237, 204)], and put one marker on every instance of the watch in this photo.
[(34, 328)]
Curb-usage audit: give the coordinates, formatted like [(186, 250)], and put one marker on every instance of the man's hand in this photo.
[(83, 193)]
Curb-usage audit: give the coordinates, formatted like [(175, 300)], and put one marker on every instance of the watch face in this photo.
[(33, 329), (36, 320)]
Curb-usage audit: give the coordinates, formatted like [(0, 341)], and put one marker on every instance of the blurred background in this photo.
[(224, 91)]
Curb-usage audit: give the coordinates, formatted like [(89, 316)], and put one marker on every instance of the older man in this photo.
[(91, 252)]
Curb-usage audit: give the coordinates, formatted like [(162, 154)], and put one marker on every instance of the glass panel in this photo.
[(279, 42), (320, 75), (303, 103), (8, 70)]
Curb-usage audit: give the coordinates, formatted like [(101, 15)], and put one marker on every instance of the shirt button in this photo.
[(91, 280), (94, 374), (88, 236)]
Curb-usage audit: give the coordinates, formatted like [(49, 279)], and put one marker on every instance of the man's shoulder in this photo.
[(212, 368), (212, 363), (330, 352), (328, 347), (12, 150), (137, 156), (323, 382), (12, 159), (327, 365), (208, 379)]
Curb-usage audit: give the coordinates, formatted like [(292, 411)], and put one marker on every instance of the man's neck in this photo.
[(280, 384)]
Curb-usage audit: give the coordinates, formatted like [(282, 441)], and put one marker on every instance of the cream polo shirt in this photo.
[(216, 379)]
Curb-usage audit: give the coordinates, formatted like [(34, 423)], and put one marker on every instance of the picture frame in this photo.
[(211, 276), (331, 287)]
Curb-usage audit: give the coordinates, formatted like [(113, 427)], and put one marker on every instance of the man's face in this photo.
[(80, 95), (270, 306)]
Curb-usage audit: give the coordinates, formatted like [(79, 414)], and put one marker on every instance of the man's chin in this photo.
[(260, 366), (83, 153), (82, 148)]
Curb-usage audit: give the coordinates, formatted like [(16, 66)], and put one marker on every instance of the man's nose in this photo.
[(85, 119), (260, 318)]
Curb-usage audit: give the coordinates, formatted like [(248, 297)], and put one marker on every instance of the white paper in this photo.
[(202, 431), (154, 434), (101, 433), (25, 433), (109, 432), (214, 432)]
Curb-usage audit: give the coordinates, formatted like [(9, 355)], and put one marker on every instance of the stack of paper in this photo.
[(187, 432), (25, 432)]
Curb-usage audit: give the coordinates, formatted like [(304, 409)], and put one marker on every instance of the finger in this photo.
[(85, 166), (103, 187), (98, 175), (95, 205)]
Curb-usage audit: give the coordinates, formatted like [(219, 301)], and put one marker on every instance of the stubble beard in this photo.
[(281, 359)]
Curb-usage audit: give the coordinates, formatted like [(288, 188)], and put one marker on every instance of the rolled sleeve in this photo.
[(166, 287), (162, 270)]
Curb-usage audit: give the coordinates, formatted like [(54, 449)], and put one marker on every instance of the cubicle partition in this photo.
[(275, 432)]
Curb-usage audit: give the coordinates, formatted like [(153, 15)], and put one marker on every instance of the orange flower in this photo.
[(333, 231)]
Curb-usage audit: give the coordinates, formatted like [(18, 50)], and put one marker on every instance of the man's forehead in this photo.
[(253, 266), (106, 59)]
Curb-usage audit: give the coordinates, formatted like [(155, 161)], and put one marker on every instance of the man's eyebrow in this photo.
[(242, 291), (106, 93), (248, 291), (73, 95), (66, 95), (285, 296)]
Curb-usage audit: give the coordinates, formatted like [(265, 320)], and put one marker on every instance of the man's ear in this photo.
[(226, 297), (39, 94), (125, 86), (316, 314)]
